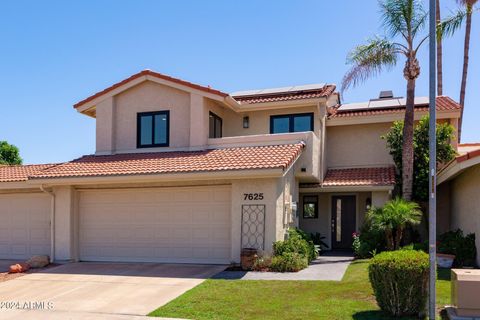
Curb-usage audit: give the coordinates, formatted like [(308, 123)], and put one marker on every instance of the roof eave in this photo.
[(348, 188), (160, 177)]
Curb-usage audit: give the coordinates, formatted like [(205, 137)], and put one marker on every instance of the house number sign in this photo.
[(253, 196)]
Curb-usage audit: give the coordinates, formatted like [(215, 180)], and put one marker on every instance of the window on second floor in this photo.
[(215, 126), (291, 123), (153, 129)]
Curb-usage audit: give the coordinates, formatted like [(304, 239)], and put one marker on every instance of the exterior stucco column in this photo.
[(64, 223), (105, 126), (198, 121)]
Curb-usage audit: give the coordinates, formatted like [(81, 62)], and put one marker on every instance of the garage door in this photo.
[(24, 225), (181, 225)]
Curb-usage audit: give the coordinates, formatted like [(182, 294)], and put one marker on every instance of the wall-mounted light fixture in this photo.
[(246, 122)]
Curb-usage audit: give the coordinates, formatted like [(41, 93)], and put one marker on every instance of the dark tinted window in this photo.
[(153, 129), (215, 126), (291, 123)]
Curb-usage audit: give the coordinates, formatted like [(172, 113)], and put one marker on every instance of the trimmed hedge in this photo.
[(400, 281), (297, 242), (288, 262)]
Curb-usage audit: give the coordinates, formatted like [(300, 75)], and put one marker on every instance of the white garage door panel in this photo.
[(24, 225), (190, 225)]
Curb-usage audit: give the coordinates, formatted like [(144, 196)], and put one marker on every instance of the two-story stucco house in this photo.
[(185, 173)]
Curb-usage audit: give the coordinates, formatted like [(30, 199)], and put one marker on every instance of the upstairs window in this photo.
[(153, 129), (291, 123), (215, 126)]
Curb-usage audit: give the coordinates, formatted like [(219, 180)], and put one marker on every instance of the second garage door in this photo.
[(180, 225)]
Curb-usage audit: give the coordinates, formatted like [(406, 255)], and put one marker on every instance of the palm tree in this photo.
[(448, 27), (439, 53), (403, 19), (393, 218)]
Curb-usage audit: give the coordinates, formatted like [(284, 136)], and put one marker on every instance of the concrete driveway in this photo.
[(101, 290)]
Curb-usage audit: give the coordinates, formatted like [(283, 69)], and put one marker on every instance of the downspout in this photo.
[(52, 223)]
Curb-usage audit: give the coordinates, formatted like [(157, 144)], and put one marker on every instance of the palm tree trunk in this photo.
[(398, 237), (407, 144), (466, 49), (439, 55), (389, 237)]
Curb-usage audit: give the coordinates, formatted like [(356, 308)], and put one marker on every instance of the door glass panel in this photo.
[(339, 221), (302, 123), (281, 125), (146, 125), (160, 128)]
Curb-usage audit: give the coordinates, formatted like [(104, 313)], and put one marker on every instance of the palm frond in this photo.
[(467, 3), (369, 60), (393, 17), (403, 17), (451, 24)]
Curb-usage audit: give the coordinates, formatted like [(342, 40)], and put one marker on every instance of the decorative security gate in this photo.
[(253, 226)]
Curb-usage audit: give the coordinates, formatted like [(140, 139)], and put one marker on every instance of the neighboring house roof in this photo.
[(444, 103), (238, 158), (464, 148), (153, 74), (284, 94), (350, 177), (469, 156), (16, 173)]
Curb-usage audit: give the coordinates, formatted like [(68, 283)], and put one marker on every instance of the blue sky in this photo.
[(55, 53)]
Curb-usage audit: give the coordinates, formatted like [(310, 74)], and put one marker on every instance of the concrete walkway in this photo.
[(326, 267)]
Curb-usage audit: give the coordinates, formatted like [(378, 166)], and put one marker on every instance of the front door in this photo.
[(343, 221)]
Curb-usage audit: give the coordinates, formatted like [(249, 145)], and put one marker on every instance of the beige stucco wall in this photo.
[(444, 192), (278, 195), (150, 96), (357, 145), (65, 207), (465, 203)]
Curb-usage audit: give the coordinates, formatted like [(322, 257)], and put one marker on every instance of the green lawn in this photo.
[(236, 299)]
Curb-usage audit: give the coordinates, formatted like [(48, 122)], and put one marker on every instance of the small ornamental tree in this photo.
[(393, 218), (445, 152), (9, 154)]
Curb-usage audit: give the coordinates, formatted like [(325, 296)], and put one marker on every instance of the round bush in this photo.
[(288, 262), (400, 281)]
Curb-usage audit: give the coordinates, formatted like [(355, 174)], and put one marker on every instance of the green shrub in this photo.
[(370, 240), (297, 242), (288, 262), (262, 263), (463, 247), (400, 280)]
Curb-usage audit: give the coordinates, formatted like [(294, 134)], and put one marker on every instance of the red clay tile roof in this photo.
[(153, 74), (326, 91), (469, 155), (240, 158), (16, 173), (443, 104), (383, 176)]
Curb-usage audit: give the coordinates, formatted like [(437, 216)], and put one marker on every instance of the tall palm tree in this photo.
[(466, 48), (393, 218), (448, 27), (404, 20), (439, 53)]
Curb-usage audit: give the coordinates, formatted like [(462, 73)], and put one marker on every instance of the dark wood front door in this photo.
[(343, 221)]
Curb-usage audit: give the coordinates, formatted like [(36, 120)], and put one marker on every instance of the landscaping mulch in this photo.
[(5, 276)]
